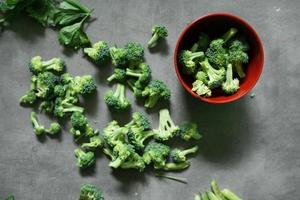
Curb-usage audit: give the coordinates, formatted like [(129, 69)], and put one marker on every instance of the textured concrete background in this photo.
[(251, 146)]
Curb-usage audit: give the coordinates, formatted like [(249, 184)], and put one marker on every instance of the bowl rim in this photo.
[(188, 27)]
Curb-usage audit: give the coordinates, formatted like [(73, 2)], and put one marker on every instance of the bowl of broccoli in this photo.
[(218, 58)]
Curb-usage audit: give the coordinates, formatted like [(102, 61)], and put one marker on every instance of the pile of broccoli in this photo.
[(130, 69), (136, 145), (216, 63), (216, 193)]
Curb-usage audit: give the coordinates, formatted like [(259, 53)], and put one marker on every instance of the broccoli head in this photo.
[(45, 83), (176, 166), (119, 75), (37, 65), (139, 120), (166, 129), (94, 143), (154, 91), (38, 129), (178, 155), (28, 98), (238, 56), (84, 159), (134, 161), (90, 192), (189, 131), (113, 133), (202, 43), (121, 152), (158, 32), (98, 53), (85, 85), (59, 90), (231, 85), (118, 56), (156, 153), (228, 194), (136, 88), (62, 107), (215, 77), (188, 59), (142, 73), (135, 53), (216, 53), (201, 89), (53, 129), (117, 100)]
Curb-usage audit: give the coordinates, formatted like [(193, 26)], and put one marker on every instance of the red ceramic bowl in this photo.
[(215, 25)]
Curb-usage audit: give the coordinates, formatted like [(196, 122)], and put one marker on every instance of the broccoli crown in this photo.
[(135, 53), (66, 78), (117, 101), (135, 161), (118, 56), (62, 107), (215, 77), (78, 121), (121, 152), (142, 73), (28, 98), (53, 129), (188, 58), (201, 89), (156, 153), (231, 85), (38, 129), (36, 65), (201, 76), (98, 53), (59, 90), (119, 75), (228, 194), (216, 53), (94, 143), (238, 45), (166, 129), (85, 85), (238, 56), (84, 159), (139, 120), (189, 131), (176, 166), (113, 133), (45, 83), (155, 91), (216, 190), (47, 106), (158, 31), (136, 88), (178, 155), (90, 192)]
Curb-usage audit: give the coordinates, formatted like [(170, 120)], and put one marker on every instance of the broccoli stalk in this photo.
[(135, 53), (180, 155), (28, 98), (84, 159), (38, 129), (229, 34), (119, 75), (53, 129), (155, 91), (231, 85), (113, 133), (90, 192), (230, 195), (98, 53), (202, 43), (36, 65), (204, 196), (121, 152), (212, 196), (176, 166), (158, 32), (197, 197), (215, 77), (117, 101), (187, 58), (10, 197), (62, 107)]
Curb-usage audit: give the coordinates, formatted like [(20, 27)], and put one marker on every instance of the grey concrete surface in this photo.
[(251, 146)]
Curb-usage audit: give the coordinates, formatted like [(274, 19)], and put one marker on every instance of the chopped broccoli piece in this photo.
[(10, 197), (121, 152), (231, 85), (201, 89), (98, 53), (180, 155), (202, 43), (45, 83), (204, 196), (62, 107), (119, 75), (155, 91), (81, 127), (85, 85), (134, 161), (189, 131), (158, 32), (136, 88), (135, 53), (215, 77), (142, 73), (230, 195), (59, 90), (113, 133), (166, 129), (28, 98), (90, 192), (156, 153), (201, 76), (188, 59), (176, 166), (94, 143), (217, 54), (37, 65), (84, 159), (197, 197), (238, 56), (53, 129), (118, 56), (47, 106), (117, 100), (216, 190), (139, 120), (38, 129), (229, 34)]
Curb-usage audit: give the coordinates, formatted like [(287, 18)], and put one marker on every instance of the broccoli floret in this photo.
[(36, 65), (142, 73), (202, 43), (66, 78), (117, 100), (229, 34), (38, 129), (118, 56), (238, 56), (139, 120), (62, 107), (156, 90), (158, 32), (45, 83), (53, 129), (166, 129), (94, 143), (201, 89), (136, 88), (217, 54), (202, 76), (85, 85), (81, 127), (90, 192), (204, 196), (113, 133), (59, 91), (215, 77), (176, 166), (231, 85), (188, 58), (135, 53), (216, 190), (84, 159), (98, 53), (156, 153), (178, 155), (137, 135), (119, 75), (28, 98), (121, 152), (189, 131), (10, 197), (47, 106), (228, 194), (134, 161)]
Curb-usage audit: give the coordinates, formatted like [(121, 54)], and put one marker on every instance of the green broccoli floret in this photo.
[(59, 90), (38, 129), (62, 107), (139, 120), (118, 56), (229, 34), (66, 78), (156, 153), (28, 98), (201, 76), (117, 100), (231, 85), (215, 77), (135, 53), (212, 196), (119, 75), (201, 89), (166, 129), (189, 131), (53, 129), (216, 190), (154, 91), (228, 194), (202, 43), (94, 143), (238, 56), (136, 88), (158, 32), (47, 106), (90, 192), (121, 152), (142, 73), (81, 127), (98, 53), (45, 83), (176, 166), (10, 197), (85, 85), (113, 133), (36, 65), (188, 59), (178, 155), (84, 159), (217, 54), (134, 161)]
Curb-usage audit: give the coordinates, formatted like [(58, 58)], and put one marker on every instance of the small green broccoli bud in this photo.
[(38, 129), (176, 166), (86, 85), (118, 56), (47, 106), (201, 89), (180, 155), (53, 129), (156, 153), (135, 161), (142, 73), (28, 98), (231, 85), (90, 192), (94, 143), (117, 100), (98, 53), (189, 131), (81, 127), (113, 133), (135, 53), (119, 75), (228, 194), (36, 65), (158, 32), (188, 59), (59, 91), (215, 77), (202, 76), (45, 83), (84, 159), (166, 129), (10, 197), (154, 91), (62, 107)]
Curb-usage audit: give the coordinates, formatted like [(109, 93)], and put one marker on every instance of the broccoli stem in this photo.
[(73, 109), (197, 197), (230, 195), (204, 196), (116, 163), (34, 120), (190, 150), (176, 166), (215, 188), (178, 179), (133, 73), (229, 34), (153, 40), (146, 135), (112, 77), (196, 55), (239, 69), (212, 196), (151, 101)]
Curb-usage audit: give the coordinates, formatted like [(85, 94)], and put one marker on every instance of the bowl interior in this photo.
[(215, 25)]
